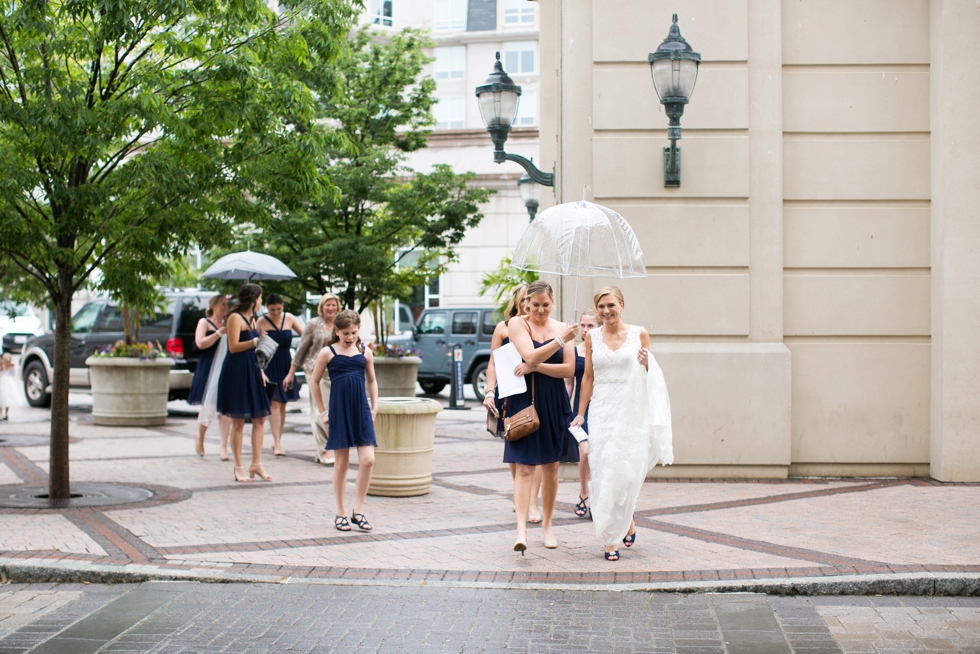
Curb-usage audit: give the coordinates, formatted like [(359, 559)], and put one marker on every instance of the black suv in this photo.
[(99, 323)]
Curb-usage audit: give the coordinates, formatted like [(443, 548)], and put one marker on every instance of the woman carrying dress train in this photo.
[(547, 348), (587, 322), (280, 326), (241, 388), (207, 338), (623, 390), (515, 307)]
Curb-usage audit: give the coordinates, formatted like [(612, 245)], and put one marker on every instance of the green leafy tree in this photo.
[(387, 228), (131, 129), (500, 283)]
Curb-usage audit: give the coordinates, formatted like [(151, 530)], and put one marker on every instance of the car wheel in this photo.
[(480, 380), (432, 387), (36, 385)]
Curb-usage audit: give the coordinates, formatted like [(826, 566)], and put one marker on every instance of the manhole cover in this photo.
[(82, 496), (10, 440)]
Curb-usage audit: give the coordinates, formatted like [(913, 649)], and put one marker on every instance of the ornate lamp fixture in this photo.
[(674, 68), (498, 98), (530, 193)]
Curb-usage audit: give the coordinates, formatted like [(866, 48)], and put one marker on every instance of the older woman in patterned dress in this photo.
[(315, 336)]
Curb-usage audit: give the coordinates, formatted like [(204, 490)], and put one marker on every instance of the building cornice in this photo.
[(478, 136)]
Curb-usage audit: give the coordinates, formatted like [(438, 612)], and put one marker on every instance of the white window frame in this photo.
[(450, 112), (450, 15), (515, 59), (450, 62), (518, 12), (376, 12), (527, 110)]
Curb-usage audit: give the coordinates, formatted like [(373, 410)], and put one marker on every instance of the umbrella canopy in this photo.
[(249, 265), (580, 239)]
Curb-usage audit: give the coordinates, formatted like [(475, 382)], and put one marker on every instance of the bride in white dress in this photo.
[(629, 419)]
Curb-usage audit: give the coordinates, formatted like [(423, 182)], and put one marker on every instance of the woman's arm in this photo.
[(322, 359), (264, 324), (585, 395), (202, 339), (643, 355), (495, 342), (305, 344), (563, 370), (235, 325), (520, 336), (371, 382)]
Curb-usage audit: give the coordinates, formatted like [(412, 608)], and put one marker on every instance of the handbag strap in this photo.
[(531, 334)]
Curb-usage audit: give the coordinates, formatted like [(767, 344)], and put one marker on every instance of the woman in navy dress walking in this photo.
[(241, 389), (207, 338), (350, 416), (547, 348), (587, 322), (280, 326)]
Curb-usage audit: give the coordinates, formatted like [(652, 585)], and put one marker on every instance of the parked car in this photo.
[(99, 323), (18, 323), (435, 334)]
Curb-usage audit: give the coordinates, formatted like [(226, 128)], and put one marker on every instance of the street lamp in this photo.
[(530, 193), (498, 99), (674, 68)]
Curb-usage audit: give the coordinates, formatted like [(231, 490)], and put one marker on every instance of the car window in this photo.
[(405, 321), (433, 323), (464, 323), (111, 320), (10, 309), (191, 312), (84, 319), (489, 323), (162, 319)]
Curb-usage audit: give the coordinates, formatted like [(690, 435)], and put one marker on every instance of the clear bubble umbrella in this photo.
[(580, 239)]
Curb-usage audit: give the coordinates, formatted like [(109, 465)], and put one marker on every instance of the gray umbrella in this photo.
[(250, 266)]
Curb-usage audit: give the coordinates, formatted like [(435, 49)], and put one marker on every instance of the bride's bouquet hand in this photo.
[(570, 333), (643, 356)]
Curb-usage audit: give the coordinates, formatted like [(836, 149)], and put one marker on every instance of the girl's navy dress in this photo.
[(579, 373), (349, 413), (241, 391), (552, 442), (200, 382), (278, 367)]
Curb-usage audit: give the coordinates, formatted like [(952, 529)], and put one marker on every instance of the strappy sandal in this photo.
[(340, 523), (581, 510), (612, 556), (361, 521)]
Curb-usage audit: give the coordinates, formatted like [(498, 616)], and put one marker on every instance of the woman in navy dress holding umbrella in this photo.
[(241, 389), (280, 326)]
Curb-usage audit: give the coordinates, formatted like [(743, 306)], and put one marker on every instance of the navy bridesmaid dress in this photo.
[(552, 442), (200, 382), (579, 373), (278, 367), (349, 413), (241, 391)]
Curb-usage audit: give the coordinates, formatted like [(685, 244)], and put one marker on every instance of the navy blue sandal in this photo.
[(630, 538), (341, 524), (612, 556), (361, 522), (581, 510)]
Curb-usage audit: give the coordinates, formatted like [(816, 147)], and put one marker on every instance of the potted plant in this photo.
[(130, 384), (396, 369)]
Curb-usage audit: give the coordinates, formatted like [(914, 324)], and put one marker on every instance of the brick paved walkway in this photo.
[(719, 534)]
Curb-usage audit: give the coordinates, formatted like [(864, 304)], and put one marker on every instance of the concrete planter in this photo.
[(129, 392), (396, 377), (406, 432)]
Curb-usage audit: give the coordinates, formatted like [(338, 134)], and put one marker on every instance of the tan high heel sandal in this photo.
[(260, 471)]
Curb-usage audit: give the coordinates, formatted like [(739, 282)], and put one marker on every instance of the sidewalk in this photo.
[(802, 536)]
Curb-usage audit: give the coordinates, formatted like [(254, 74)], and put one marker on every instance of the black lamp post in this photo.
[(530, 193), (498, 98), (674, 68)]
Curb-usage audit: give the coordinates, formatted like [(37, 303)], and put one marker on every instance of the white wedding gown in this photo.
[(629, 432)]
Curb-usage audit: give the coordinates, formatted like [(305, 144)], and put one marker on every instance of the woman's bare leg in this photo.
[(549, 487), (199, 443), (277, 421), (224, 428), (523, 479), (533, 513), (583, 469), (341, 460), (365, 466)]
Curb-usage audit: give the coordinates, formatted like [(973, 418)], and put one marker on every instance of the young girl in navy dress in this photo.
[(588, 322), (350, 416), (280, 326), (241, 388)]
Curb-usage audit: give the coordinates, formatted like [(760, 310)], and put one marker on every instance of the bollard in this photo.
[(456, 400)]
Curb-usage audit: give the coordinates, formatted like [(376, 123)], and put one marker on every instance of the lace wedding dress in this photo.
[(629, 431)]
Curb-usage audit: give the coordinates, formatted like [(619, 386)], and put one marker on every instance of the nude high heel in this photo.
[(242, 476), (257, 469)]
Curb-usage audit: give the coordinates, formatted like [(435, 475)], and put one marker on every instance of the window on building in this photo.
[(451, 62), (519, 57), (380, 12), (450, 14), (518, 12), (450, 112), (433, 293), (527, 110)]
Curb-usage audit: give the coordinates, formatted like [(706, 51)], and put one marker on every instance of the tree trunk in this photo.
[(59, 487)]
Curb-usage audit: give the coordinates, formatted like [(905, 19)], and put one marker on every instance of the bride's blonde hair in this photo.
[(608, 290)]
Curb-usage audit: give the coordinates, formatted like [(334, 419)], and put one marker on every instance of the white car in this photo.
[(17, 324)]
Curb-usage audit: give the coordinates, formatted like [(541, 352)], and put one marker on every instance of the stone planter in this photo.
[(129, 392), (406, 432), (396, 377)]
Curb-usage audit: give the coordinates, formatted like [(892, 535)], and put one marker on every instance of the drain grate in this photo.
[(83, 496)]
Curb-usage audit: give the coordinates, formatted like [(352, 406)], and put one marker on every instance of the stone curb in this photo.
[(916, 584)]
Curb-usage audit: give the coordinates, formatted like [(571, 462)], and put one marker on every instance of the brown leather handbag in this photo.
[(523, 422)]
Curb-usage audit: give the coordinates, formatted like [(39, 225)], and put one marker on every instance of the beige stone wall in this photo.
[(792, 271)]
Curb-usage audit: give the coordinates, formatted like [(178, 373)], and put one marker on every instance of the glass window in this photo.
[(380, 12), (450, 112), (526, 110), (451, 62), (433, 294), (111, 320), (450, 14), (162, 319), (464, 323), (433, 323), (489, 324), (517, 12), (12, 309), (191, 312), (519, 57), (84, 319)]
